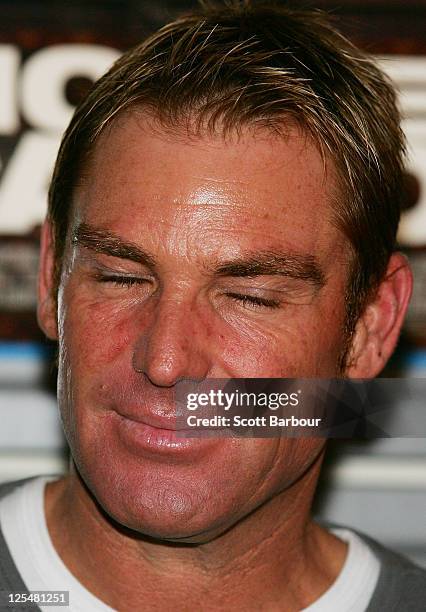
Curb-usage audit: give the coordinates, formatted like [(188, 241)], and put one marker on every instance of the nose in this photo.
[(174, 345)]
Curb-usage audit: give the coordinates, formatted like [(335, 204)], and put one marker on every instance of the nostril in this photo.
[(173, 346), (162, 365)]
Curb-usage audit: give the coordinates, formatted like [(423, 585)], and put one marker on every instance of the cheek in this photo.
[(96, 332), (94, 343), (305, 344)]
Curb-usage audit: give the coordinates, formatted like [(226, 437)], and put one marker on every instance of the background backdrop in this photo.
[(50, 53)]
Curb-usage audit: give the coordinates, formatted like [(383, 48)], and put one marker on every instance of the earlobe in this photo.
[(377, 331), (46, 309)]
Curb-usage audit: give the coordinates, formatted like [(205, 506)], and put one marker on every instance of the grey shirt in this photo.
[(401, 586)]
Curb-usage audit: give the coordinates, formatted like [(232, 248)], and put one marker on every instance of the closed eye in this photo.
[(254, 300), (121, 281)]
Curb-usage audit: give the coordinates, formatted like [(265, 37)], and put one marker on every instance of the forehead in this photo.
[(257, 183)]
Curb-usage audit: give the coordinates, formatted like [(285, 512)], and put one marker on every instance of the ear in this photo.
[(378, 328), (46, 310)]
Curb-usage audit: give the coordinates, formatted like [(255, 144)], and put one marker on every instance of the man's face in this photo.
[(193, 258)]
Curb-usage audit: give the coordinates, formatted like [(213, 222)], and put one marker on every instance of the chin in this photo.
[(160, 504)]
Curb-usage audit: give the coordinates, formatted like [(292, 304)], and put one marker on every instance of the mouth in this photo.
[(158, 434)]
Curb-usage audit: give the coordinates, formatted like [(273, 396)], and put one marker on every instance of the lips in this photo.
[(175, 423), (157, 435), (156, 421)]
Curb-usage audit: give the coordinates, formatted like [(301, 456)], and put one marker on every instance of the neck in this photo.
[(257, 563)]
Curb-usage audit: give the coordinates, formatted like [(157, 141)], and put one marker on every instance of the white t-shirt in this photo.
[(23, 523)]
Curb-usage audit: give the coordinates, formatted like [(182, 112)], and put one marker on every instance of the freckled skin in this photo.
[(188, 203), (245, 504)]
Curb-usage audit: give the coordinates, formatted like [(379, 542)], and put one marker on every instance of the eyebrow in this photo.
[(292, 265), (105, 242)]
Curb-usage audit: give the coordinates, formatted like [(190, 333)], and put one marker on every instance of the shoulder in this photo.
[(401, 585), (10, 579), (8, 487)]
